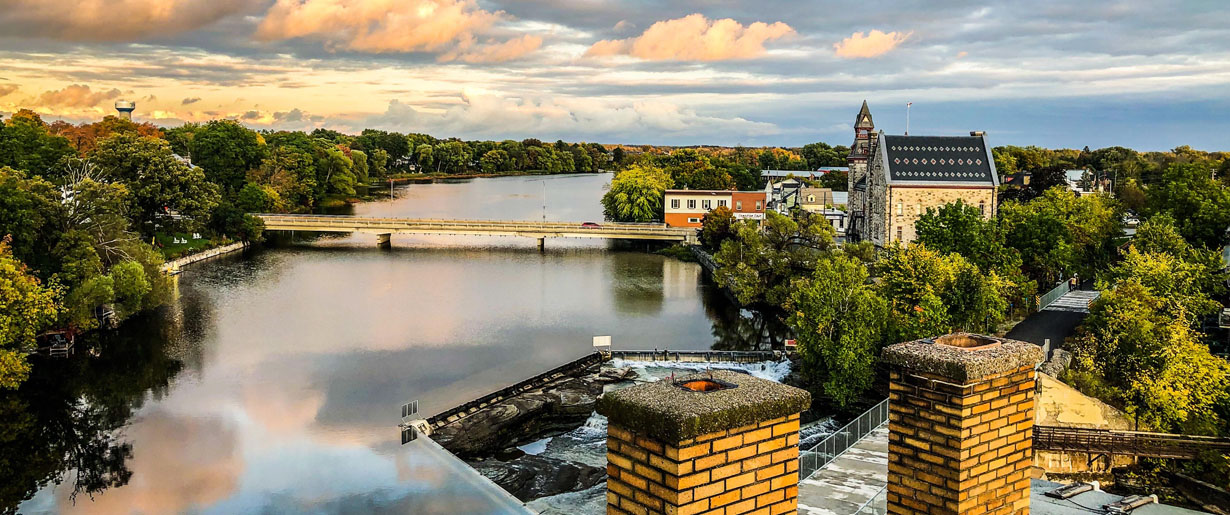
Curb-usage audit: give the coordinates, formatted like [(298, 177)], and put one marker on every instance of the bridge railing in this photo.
[(351, 221), (1132, 443), (1050, 297)]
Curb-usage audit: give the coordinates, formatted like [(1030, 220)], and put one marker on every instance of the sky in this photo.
[(1139, 73)]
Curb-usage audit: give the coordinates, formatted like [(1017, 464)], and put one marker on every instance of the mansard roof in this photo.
[(938, 160), (863, 120)]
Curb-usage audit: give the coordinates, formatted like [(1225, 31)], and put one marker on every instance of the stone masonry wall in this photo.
[(750, 469), (957, 448), (915, 201)]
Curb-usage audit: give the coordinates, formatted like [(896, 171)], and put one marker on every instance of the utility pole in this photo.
[(544, 200)]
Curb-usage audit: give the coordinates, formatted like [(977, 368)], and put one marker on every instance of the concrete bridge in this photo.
[(385, 227)]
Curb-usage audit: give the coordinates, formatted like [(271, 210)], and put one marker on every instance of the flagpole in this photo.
[(907, 117)]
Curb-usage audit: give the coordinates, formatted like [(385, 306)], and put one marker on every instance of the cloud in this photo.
[(695, 38), (871, 44), (6, 89), (112, 20), (251, 115), (451, 27), (497, 52), (76, 95), (192, 100), (499, 117)]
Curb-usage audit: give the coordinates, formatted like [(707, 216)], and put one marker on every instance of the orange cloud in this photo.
[(497, 52), (5, 89), (871, 44), (112, 20), (76, 95), (695, 38), (378, 26)]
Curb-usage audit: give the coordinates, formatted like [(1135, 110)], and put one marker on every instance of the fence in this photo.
[(1051, 296), (822, 453)]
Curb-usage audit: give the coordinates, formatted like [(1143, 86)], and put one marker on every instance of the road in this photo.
[(1057, 322)]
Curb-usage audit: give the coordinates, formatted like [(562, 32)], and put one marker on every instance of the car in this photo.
[(591, 225)]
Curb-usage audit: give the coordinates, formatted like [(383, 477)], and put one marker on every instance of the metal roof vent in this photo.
[(1127, 504)]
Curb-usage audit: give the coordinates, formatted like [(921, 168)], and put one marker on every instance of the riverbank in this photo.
[(174, 265)]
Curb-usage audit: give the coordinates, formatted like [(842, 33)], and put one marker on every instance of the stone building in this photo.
[(895, 179)]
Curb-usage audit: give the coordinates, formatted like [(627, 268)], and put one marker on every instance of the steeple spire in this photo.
[(863, 120)]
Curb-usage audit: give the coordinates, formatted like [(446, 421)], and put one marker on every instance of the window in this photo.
[(841, 223), (918, 209), (900, 207), (693, 220), (721, 203), (811, 199), (674, 203), (738, 205), (691, 203), (758, 207), (704, 204), (898, 233), (982, 208)]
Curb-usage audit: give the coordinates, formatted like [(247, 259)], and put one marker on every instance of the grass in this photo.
[(171, 250)]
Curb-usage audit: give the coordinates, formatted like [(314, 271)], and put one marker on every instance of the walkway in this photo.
[(852, 482), (530, 229), (1056, 321)]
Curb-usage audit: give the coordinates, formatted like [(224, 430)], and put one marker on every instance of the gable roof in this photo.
[(938, 160)]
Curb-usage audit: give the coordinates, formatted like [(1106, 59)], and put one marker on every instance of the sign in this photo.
[(749, 216), (791, 343), (602, 341)]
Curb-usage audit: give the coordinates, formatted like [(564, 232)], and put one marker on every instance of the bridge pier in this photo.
[(542, 243), (384, 241)]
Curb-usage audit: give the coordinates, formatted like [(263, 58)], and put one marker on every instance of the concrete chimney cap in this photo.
[(665, 411), (963, 357)]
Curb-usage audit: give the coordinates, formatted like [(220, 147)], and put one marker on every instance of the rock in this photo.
[(616, 375), (1060, 360), (531, 476), (552, 410)]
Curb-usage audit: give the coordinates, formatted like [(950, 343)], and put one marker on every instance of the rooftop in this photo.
[(938, 159)]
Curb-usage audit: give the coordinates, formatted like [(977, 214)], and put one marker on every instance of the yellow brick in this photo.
[(709, 490), (711, 461), (724, 499), (686, 482), (771, 445), (688, 509), (787, 427), (619, 461), (686, 453), (770, 498), (740, 480), (784, 481), (754, 489), (669, 466), (741, 508), (758, 435), (726, 471), (741, 452), (729, 442)]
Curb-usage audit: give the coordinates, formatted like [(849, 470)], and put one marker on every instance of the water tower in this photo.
[(125, 107)]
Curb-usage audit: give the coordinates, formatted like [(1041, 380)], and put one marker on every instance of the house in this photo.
[(895, 179), (1086, 182), (782, 195), (823, 201), (687, 208)]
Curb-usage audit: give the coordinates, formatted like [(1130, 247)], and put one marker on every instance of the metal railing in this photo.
[(831, 447), (1130, 443), (1050, 297), (345, 222)]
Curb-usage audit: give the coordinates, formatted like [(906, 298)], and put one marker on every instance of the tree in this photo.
[(28, 307), (932, 293), (26, 144), (1147, 358), (837, 180), (157, 180), (334, 172), (254, 198), (1199, 205), (636, 195), (229, 220), (717, 226), (839, 319), (961, 228), (495, 161), (759, 264), (359, 159), (379, 162), (226, 150), (291, 173), (1059, 234), (425, 158), (451, 156)]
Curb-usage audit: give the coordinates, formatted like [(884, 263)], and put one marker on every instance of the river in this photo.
[(273, 380)]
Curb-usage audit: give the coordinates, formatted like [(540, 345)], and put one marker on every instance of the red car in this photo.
[(591, 225)]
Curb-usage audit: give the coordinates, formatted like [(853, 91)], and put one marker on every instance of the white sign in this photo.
[(749, 216), (602, 341)]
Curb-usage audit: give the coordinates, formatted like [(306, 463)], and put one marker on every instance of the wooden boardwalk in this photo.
[(1130, 443)]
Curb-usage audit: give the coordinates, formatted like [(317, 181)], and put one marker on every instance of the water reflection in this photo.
[(272, 380)]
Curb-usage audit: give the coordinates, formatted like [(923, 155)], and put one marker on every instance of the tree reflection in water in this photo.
[(736, 328), (61, 424)]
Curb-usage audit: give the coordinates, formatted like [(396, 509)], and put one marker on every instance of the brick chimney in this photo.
[(721, 441), (961, 415)]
